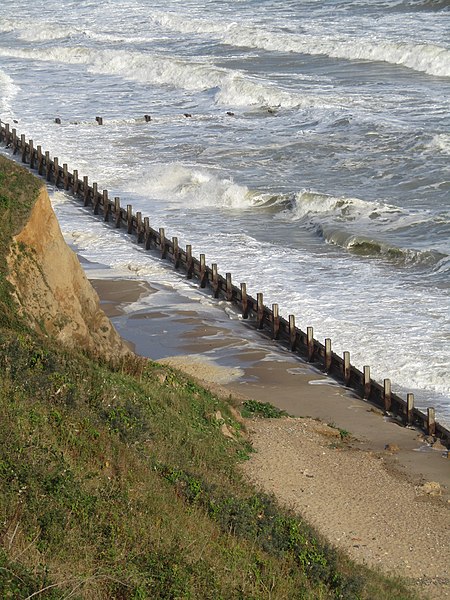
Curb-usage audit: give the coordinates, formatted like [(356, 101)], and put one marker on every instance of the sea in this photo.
[(302, 145)]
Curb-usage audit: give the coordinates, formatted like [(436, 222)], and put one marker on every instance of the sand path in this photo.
[(352, 497)]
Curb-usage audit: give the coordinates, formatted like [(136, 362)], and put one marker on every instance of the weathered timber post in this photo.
[(99, 120), (260, 310), (75, 182), (176, 253), (14, 140), (327, 355), (129, 218), (244, 301), (387, 394), (366, 382), (147, 241), (23, 147), (215, 280), (31, 150), (310, 342), (7, 135), (139, 229), (409, 409), (85, 191), (117, 213), (347, 371), (292, 333), (203, 274), (275, 321), (95, 197), (189, 262), (106, 206), (65, 176), (56, 170), (162, 242), (48, 166), (229, 287), (40, 159), (431, 422)]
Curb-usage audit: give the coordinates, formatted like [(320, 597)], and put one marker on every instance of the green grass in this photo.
[(18, 191), (253, 408), (116, 482)]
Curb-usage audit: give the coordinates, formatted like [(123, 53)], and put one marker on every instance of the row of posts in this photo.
[(265, 319)]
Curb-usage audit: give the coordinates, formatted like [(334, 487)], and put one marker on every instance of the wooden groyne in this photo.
[(266, 319)]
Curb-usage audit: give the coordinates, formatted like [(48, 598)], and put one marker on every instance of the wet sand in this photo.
[(371, 486)]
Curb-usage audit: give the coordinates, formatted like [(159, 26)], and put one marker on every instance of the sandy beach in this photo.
[(378, 490)]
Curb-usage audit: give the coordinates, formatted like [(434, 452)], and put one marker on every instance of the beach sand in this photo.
[(378, 490)]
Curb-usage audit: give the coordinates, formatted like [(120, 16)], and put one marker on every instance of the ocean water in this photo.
[(315, 165)]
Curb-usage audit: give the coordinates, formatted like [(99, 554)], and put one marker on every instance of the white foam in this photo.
[(8, 91), (194, 186), (441, 143)]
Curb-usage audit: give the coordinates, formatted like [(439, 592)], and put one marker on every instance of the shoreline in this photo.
[(171, 328), (377, 478)]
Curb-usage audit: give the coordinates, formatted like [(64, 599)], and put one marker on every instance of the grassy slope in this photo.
[(118, 483)]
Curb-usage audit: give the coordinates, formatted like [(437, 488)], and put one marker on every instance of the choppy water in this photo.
[(328, 188)]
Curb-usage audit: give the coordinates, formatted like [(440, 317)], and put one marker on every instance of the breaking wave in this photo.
[(230, 86), (358, 226), (425, 57)]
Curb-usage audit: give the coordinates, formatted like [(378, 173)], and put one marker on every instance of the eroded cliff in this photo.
[(51, 288)]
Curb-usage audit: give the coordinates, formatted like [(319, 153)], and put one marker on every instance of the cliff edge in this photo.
[(51, 289)]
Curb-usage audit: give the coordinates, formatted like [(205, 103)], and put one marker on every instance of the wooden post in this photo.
[(14, 140), (31, 149), (229, 287), (56, 170), (244, 301), (23, 147), (106, 206), (147, 241), (275, 321), (48, 166), (431, 423), (409, 409), (65, 176), (39, 159), (117, 212), (85, 190), (7, 134), (129, 218), (260, 310), (95, 198), (203, 276), (176, 253), (99, 120), (292, 333), (387, 394), (189, 262), (139, 229), (75, 182), (310, 342), (347, 370), (215, 280), (327, 355), (162, 242), (366, 382)]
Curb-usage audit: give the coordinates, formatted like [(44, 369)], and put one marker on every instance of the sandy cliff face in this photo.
[(52, 289)]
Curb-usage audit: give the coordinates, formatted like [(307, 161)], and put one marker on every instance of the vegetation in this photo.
[(261, 409), (116, 482)]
